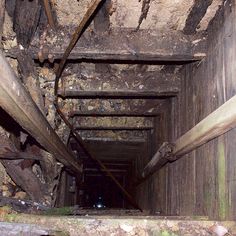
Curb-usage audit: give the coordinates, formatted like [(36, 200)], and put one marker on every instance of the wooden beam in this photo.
[(23, 177), (217, 123), (48, 10), (16, 101), (26, 19), (117, 106), (116, 94), (77, 128), (112, 123), (152, 113), (197, 12), (126, 45), (124, 83)]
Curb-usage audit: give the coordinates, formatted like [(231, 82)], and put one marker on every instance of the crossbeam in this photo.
[(113, 123), (124, 44), (125, 83)]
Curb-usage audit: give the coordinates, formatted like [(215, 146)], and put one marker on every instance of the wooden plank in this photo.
[(49, 14), (23, 177), (126, 44), (116, 94), (117, 106), (26, 19), (113, 128), (197, 12), (125, 80), (111, 123), (117, 113)]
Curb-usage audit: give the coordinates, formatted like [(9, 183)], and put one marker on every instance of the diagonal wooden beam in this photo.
[(48, 11), (217, 123), (17, 102), (195, 16)]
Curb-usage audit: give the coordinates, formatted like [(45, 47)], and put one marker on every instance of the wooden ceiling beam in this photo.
[(124, 45)]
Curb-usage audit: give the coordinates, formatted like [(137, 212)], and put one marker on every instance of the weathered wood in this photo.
[(196, 14), (49, 14), (116, 113), (30, 78), (116, 94), (127, 44), (117, 123), (76, 36), (24, 178), (26, 19), (2, 14), (22, 206), (10, 155), (10, 7), (127, 80), (16, 101), (142, 128), (31, 82), (217, 123), (158, 160), (129, 106), (102, 24)]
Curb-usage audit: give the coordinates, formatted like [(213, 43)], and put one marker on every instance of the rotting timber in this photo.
[(131, 78), (217, 123), (17, 102)]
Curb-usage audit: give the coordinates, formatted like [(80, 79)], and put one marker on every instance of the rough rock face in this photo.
[(161, 14)]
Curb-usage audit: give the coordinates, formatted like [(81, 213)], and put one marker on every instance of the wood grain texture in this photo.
[(126, 44), (26, 19), (203, 182)]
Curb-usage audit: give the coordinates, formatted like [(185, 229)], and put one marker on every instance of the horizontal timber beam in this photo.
[(112, 123), (137, 79), (115, 94), (113, 128), (125, 107), (17, 102), (123, 45), (217, 123), (117, 113)]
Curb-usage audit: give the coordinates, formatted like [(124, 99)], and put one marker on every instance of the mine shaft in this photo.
[(117, 117)]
